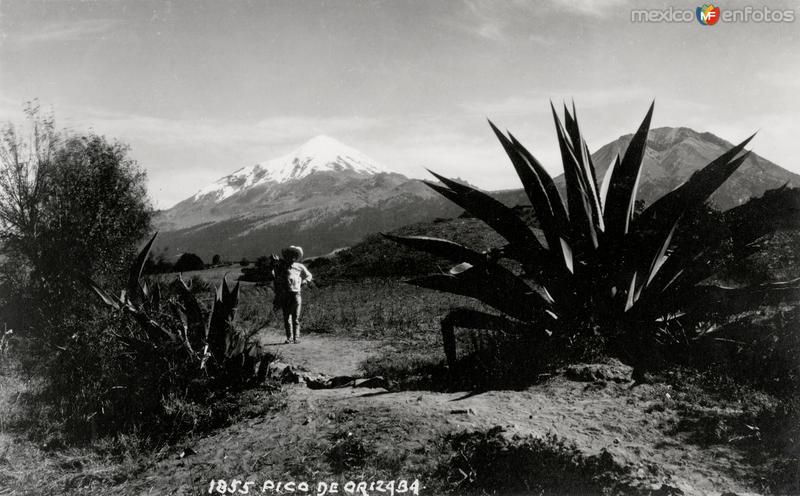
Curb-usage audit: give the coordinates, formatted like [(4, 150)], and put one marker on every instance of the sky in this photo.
[(200, 88)]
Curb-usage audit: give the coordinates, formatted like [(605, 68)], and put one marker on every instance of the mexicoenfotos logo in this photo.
[(707, 15)]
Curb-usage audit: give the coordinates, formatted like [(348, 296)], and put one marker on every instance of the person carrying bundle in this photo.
[(289, 277)]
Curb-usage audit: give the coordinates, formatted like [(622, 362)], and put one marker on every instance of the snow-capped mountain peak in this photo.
[(319, 154)]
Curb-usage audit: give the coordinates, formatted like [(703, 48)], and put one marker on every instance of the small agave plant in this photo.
[(212, 343), (596, 268)]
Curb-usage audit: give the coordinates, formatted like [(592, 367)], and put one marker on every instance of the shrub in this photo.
[(188, 262), (491, 463), (68, 203), (261, 271), (157, 357)]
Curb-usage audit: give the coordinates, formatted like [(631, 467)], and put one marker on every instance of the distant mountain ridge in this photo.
[(319, 154), (673, 154), (326, 195)]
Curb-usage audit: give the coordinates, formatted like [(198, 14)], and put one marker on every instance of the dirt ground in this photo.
[(598, 416)]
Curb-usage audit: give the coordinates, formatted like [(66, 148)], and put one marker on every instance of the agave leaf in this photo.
[(458, 269), (702, 302), (106, 297), (134, 290), (155, 299), (553, 196), (468, 318), (631, 299), (591, 168), (441, 248), (583, 233), (624, 181), (585, 166), (687, 198), (567, 251), (509, 295), (695, 191), (530, 178), (234, 296), (194, 314), (661, 256), (594, 194), (498, 216), (607, 181), (552, 218)]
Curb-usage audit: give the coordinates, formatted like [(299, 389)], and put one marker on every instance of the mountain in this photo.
[(326, 195), (673, 154), (323, 196)]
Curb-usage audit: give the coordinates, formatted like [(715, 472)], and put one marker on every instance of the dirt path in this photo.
[(320, 353), (597, 417)]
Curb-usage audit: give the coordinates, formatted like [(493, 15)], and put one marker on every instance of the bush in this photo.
[(158, 264), (491, 463), (261, 271), (188, 262), (166, 354), (68, 204)]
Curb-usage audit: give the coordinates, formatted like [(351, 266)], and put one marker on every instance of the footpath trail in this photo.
[(597, 416), (320, 353)]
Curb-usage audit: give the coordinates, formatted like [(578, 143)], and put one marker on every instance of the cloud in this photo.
[(591, 8), (536, 102), (498, 22), (503, 21), (51, 32), (203, 133)]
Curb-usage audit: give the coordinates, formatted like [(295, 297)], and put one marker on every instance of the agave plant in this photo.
[(181, 325), (595, 268)]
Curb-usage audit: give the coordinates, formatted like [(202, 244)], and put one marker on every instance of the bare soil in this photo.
[(401, 430)]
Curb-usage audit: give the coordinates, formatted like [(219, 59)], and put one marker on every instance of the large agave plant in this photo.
[(596, 268), (181, 325)]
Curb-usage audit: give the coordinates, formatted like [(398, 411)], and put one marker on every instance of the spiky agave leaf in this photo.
[(694, 192), (469, 318), (541, 191), (702, 302), (553, 196), (196, 330), (583, 229), (498, 216), (220, 320), (135, 292), (491, 285), (624, 181), (586, 171), (493, 277), (441, 248)]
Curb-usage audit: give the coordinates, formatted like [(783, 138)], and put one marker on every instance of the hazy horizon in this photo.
[(200, 89)]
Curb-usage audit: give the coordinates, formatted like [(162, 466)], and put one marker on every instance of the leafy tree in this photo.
[(215, 260), (68, 203), (158, 264), (189, 261), (244, 262)]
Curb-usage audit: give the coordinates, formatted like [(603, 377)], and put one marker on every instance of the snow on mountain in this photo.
[(321, 153)]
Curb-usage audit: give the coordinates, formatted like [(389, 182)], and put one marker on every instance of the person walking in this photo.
[(290, 277)]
